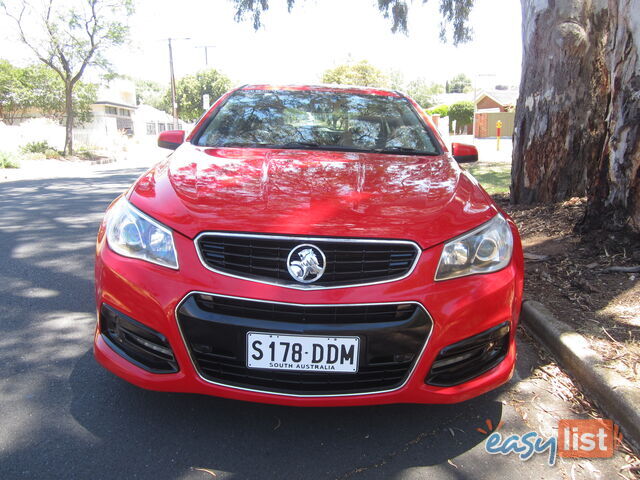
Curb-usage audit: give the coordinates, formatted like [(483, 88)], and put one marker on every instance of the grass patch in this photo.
[(86, 153), (494, 177), (7, 160)]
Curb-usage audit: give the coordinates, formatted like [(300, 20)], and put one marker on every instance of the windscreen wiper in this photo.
[(271, 145), (300, 144), (408, 150)]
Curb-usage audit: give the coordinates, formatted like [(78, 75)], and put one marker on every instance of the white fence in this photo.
[(12, 137)]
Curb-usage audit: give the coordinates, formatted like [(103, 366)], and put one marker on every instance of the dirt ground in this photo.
[(589, 281)]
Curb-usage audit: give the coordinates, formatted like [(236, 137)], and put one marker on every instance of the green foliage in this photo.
[(46, 95), (461, 113), (190, 89), (36, 147), (362, 73), (41, 147), (442, 110), (69, 37), (12, 91), (52, 153), (150, 93), (396, 80), (86, 153), (7, 160), (37, 90), (459, 84), (423, 92), (455, 16), (84, 95)]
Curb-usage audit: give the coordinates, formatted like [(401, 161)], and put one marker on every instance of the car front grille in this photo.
[(215, 330), (349, 262)]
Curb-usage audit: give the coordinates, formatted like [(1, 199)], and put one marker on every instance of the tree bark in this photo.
[(68, 110), (614, 192), (577, 127), (559, 124)]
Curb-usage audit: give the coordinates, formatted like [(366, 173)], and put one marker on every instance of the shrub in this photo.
[(7, 160), (51, 153), (441, 110), (461, 113), (85, 153), (37, 147)]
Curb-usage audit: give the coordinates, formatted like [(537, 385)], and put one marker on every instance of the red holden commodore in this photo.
[(310, 245)]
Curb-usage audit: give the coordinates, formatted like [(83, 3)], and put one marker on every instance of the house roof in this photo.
[(147, 113), (451, 98), (115, 104), (502, 97)]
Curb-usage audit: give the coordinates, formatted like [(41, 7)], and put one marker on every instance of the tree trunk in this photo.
[(560, 117), (68, 110), (577, 127), (614, 192)]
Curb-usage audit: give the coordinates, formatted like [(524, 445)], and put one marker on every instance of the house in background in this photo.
[(151, 121), (115, 108), (115, 111), (493, 106), (497, 100)]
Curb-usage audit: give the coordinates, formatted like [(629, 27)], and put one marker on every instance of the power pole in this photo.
[(206, 52), (174, 103)]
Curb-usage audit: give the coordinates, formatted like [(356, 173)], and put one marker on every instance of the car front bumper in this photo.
[(458, 309)]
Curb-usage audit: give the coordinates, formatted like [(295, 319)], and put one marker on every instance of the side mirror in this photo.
[(171, 139), (464, 153)]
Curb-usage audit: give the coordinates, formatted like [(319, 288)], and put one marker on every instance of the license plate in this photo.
[(302, 352)]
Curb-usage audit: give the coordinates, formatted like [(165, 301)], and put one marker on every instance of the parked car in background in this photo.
[(312, 246)]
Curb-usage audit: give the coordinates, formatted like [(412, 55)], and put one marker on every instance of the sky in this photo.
[(297, 47)]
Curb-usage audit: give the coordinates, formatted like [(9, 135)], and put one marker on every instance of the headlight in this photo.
[(133, 234), (486, 249)]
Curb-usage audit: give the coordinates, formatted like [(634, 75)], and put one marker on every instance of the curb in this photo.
[(103, 161), (615, 395)]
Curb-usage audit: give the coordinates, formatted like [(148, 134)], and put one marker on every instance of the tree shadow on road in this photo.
[(182, 431)]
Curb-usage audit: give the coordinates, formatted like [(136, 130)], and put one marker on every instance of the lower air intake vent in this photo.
[(470, 358), (371, 313), (136, 342), (215, 328)]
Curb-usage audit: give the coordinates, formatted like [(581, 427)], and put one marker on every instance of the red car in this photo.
[(313, 246)]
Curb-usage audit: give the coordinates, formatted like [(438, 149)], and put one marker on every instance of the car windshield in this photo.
[(323, 120)]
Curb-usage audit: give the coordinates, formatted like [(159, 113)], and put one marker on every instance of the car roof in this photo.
[(326, 88)]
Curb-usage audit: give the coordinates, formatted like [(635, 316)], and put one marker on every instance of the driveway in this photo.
[(63, 416)]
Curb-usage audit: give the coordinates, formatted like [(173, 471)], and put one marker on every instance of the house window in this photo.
[(124, 113), (151, 128), (161, 127), (111, 110)]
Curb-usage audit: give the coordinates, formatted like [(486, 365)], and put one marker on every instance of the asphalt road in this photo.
[(63, 416)]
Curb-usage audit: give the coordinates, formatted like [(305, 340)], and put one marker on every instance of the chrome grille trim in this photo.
[(303, 239)]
